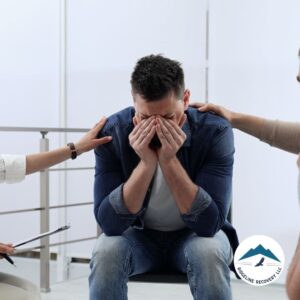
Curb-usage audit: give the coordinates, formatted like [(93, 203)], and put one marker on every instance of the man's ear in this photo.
[(134, 120), (182, 120), (186, 99)]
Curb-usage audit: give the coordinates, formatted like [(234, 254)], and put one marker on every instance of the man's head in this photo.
[(158, 88)]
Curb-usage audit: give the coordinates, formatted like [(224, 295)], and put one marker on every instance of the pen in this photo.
[(4, 255)]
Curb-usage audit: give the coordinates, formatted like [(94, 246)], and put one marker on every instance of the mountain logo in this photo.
[(260, 250), (259, 260)]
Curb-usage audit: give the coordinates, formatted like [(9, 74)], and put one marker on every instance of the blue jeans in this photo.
[(204, 260)]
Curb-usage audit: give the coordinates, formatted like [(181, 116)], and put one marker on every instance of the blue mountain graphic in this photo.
[(259, 250)]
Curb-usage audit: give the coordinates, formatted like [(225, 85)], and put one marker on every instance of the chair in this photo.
[(15, 288)]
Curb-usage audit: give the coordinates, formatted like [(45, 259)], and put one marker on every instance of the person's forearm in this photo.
[(279, 134), (182, 188), (250, 124), (135, 189), (44, 160)]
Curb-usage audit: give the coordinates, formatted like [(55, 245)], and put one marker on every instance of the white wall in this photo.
[(28, 97), (254, 47)]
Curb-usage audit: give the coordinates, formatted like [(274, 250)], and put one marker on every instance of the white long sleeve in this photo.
[(12, 168)]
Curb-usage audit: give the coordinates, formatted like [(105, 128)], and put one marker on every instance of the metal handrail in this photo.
[(41, 129), (9, 212), (44, 201)]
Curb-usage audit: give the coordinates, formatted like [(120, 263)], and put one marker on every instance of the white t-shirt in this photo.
[(12, 168), (162, 213)]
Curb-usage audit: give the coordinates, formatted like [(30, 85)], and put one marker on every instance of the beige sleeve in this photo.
[(283, 135)]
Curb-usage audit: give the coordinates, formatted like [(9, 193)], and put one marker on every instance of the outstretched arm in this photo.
[(283, 135), (40, 161)]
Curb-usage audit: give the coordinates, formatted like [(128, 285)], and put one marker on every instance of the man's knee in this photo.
[(207, 251), (110, 254)]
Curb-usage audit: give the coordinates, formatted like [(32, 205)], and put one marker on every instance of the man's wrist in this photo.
[(168, 162), (148, 165)]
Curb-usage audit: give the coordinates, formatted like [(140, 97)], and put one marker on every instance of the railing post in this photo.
[(44, 222)]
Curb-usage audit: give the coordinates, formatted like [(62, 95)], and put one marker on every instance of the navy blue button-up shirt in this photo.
[(206, 155)]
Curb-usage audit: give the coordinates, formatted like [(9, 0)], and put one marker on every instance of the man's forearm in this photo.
[(183, 189), (135, 189)]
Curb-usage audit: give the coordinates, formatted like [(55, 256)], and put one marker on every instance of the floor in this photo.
[(76, 288)]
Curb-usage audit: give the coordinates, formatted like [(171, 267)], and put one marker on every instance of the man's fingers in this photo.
[(149, 136), (135, 129), (175, 131), (168, 135), (161, 135), (179, 131), (141, 126), (144, 133), (165, 136)]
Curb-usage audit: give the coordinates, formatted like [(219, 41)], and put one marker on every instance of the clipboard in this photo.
[(37, 237)]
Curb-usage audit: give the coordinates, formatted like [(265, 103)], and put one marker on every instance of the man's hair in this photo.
[(155, 76)]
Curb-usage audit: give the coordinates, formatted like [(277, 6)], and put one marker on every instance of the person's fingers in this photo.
[(160, 135), (141, 126), (144, 126), (166, 131), (149, 136), (206, 107), (103, 140), (165, 134), (100, 125), (175, 131), (135, 129), (144, 132), (298, 161), (197, 104), (178, 129), (6, 248)]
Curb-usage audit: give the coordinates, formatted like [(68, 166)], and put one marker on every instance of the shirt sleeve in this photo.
[(211, 205), (12, 168), (283, 135)]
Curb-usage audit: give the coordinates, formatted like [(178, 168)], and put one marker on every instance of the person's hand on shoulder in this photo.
[(89, 141), (219, 110)]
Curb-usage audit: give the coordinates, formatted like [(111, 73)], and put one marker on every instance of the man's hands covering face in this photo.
[(169, 133), (140, 138), (171, 137)]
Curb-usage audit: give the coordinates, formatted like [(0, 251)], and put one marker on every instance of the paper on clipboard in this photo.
[(37, 237)]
